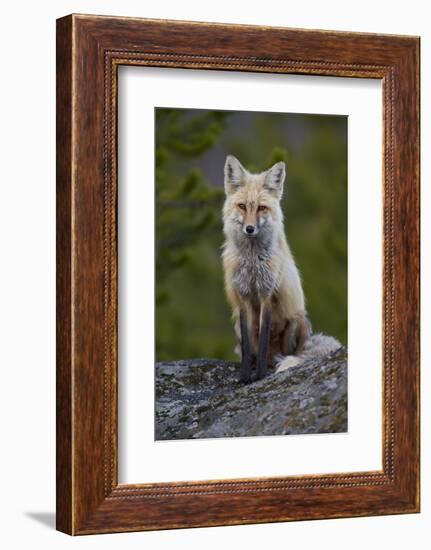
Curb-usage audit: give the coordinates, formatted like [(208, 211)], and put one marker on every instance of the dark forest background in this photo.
[(192, 316)]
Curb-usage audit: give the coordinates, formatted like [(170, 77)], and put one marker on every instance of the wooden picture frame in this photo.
[(89, 51)]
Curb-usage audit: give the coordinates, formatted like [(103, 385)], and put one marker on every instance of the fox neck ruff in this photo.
[(254, 276)]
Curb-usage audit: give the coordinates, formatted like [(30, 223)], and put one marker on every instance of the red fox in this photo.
[(262, 281)]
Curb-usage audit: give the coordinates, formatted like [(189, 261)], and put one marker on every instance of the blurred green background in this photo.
[(192, 316)]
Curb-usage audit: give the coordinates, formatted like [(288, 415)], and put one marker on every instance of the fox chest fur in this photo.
[(253, 276)]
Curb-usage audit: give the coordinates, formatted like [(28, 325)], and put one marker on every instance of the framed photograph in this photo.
[(237, 274)]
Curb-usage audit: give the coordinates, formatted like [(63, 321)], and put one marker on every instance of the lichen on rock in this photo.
[(202, 398)]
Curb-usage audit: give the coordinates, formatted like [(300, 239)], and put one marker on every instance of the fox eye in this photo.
[(241, 205), (262, 208)]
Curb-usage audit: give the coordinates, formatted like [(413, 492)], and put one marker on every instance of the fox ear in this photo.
[(234, 174), (274, 179)]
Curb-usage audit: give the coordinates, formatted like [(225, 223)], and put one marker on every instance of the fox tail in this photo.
[(318, 345)]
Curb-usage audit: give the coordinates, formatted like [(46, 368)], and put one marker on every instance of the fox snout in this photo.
[(249, 220), (250, 230)]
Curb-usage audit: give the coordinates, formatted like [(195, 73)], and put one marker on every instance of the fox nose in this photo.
[(250, 229)]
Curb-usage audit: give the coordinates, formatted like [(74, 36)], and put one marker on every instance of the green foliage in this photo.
[(192, 316)]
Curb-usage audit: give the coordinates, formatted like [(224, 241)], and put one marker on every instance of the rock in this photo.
[(201, 398)]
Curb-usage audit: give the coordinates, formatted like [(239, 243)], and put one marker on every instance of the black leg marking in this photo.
[(246, 359), (262, 354)]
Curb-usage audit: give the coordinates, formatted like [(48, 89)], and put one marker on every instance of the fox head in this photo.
[(252, 206)]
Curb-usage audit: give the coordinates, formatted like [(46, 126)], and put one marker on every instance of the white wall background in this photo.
[(27, 285)]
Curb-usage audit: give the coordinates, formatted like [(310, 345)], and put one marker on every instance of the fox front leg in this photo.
[(264, 331), (246, 357)]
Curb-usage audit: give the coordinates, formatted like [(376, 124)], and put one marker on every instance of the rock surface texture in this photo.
[(201, 398)]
